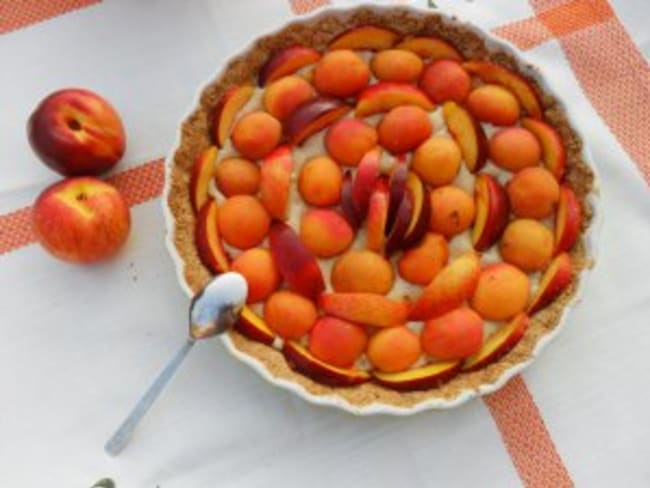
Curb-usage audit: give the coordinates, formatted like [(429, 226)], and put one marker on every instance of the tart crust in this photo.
[(317, 33)]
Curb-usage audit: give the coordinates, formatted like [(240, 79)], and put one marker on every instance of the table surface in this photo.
[(79, 344)]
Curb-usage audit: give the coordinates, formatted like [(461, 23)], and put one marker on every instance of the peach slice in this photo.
[(492, 211), (553, 151), (421, 214), (555, 280), (208, 241), (227, 108), (386, 95), (364, 181), (297, 265), (285, 62), (301, 360), (202, 173), (365, 308), (403, 217), (347, 203), (377, 217), (253, 326), (449, 289), (431, 48), (498, 344), (275, 182), (365, 37), (337, 342), (312, 117), (424, 378), (522, 89), (568, 220), (397, 189), (469, 135)]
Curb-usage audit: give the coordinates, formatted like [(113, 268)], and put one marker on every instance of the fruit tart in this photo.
[(407, 201)]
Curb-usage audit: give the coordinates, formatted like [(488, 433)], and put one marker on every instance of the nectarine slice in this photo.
[(347, 202), (301, 360), (386, 95), (468, 133), (397, 189), (364, 181), (517, 84), (498, 344), (312, 117), (424, 378), (208, 241), (421, 213), (297, 265), (365, 308), (254, 327), (449, 289), (553, 150), (377, 217), (227, 108), (432, 48), (285, 62), (368, 37), (555, 280), (403, 217), (492, 212), (202, 173), (568, 220), (275, 182)]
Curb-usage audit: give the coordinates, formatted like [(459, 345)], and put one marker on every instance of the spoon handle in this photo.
[(123, 434)]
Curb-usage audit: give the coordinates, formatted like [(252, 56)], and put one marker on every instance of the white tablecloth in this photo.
[(79, 344)]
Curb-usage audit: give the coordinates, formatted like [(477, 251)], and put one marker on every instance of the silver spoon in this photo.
[(214, 310)]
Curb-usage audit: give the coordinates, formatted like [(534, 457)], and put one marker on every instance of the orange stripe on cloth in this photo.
[(555, 21), (16, 14), (304, 6), (137, 185), (525, 435)]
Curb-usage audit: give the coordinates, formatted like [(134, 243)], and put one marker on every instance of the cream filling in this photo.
[(314, 147)]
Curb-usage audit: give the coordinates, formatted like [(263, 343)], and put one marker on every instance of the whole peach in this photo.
[(76, 132), (81, 220)]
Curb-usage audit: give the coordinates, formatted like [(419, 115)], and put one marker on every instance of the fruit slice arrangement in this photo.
[(399, 212)]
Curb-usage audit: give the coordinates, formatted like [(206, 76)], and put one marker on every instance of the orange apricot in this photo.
[(337, 342), (422, 263), (501, 293), (362, 271), (533, 193), (404, 128), (437, 160), (394, 349), (256, 134), (396, 65), (236, 176), (341, 73), (494, 104), (528, 244), (319, 182), (243, 221), (285, 95), (325, 233), (349, 139), (452, 210), (455, 335), (261, 273), (445, 80), (515, 148), (290, 315)]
